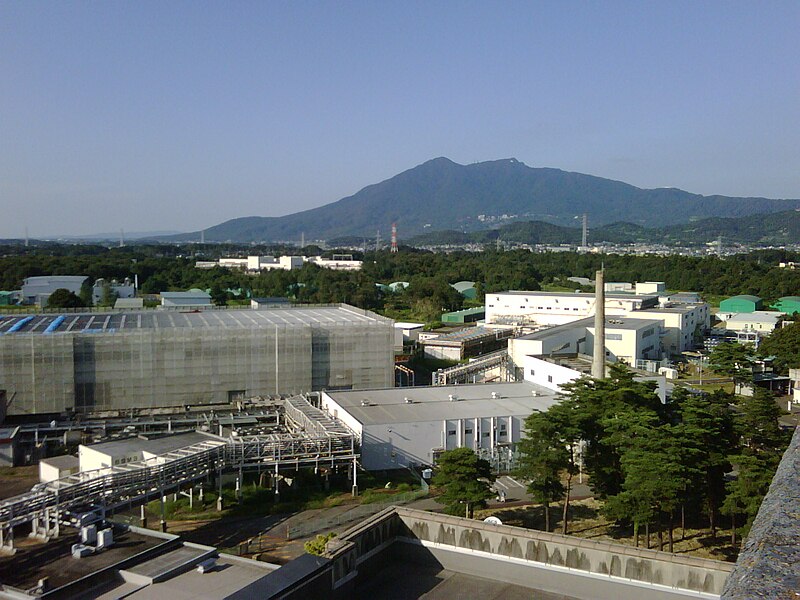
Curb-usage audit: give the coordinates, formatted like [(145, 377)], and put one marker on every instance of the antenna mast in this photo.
[(394, 237)]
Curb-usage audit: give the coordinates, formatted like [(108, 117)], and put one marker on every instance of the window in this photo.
[(613, 336), (502, 426), (533, 372), (468, 431), (485, 434), (550, 379), (502, 434), (648, 332), (451, 432)]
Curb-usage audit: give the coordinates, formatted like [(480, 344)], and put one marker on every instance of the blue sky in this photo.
[(180, 115)]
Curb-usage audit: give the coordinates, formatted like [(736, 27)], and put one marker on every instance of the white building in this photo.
[(406, 333), (339, 262), (627, 340), (135, 449), (57, 467), (680, 323), (554, 372), (399, 427), (679, 320), (761, 321), (125, 289), (556, 308), (255, 264)]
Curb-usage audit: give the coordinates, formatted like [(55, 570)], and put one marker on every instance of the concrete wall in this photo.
[(553, 563), (767, 565), (522, 547)]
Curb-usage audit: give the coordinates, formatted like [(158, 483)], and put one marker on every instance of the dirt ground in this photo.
[(586, 521), (17, 480)]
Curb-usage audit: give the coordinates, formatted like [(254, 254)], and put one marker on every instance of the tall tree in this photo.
[(784, 344), (732, 360), (542, 456), (466, 479)]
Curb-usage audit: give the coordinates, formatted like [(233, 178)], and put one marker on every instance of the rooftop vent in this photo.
[(534, 393), (495, 395), (408, 400), (452, 398), (365, 402)]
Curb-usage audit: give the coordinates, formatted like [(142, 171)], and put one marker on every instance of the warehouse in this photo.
[(92, 362), (401, 427)]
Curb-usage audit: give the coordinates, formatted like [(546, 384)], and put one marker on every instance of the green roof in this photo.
[(745, 297)]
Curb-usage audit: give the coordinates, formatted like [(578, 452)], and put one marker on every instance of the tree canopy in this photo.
[(63, 298), (466, 480)]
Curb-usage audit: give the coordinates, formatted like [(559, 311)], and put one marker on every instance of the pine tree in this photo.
[(466, 480)]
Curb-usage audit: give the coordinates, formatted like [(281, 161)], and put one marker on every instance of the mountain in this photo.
[(441, 194), (765, 229)]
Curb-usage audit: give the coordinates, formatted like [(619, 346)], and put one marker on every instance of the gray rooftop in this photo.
[(433, 403), (113, 322), (157, 446)]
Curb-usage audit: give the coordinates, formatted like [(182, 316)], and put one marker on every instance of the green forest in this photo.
[(164, 267)]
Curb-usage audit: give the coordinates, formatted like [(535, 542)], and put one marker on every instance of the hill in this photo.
[(766, 229), (441, 194)]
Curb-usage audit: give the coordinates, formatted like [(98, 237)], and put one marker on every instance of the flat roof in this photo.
[(468, 334), (753, 317), (229, 576), (617, 295), (65, 461), (432, 403), (630, 323), (158, 446), (246, 318)]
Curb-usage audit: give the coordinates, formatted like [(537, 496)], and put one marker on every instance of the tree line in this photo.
[(699, 456)]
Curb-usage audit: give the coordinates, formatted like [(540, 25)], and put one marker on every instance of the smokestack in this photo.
[(599, 354)]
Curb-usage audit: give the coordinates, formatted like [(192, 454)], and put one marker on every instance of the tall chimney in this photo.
[(599, 354)]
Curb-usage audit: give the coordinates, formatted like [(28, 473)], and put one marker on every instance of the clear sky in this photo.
[(180, 115)]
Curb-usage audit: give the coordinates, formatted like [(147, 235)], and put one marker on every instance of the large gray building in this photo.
[(37, 290), (150, 359), (401, 427)]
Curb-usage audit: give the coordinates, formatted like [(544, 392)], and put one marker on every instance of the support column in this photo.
[(163, 517), (277, 484), (219, 497), (355, 477), (7, 541), (143, 516)]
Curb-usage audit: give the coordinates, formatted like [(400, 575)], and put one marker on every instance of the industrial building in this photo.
[(627, 340), (556, 308), (191, 299), (741, 304), (37, 290), (681, 316), (255, 264), (120, 290), (114, 361), (788, 305), (401, 427), (464, 343)]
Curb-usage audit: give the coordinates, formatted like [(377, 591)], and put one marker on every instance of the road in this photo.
[(516, 490)]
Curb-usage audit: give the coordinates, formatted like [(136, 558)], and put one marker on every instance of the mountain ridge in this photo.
[(442, 194)]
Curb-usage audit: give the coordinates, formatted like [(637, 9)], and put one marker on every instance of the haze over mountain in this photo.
[(441, 194)]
